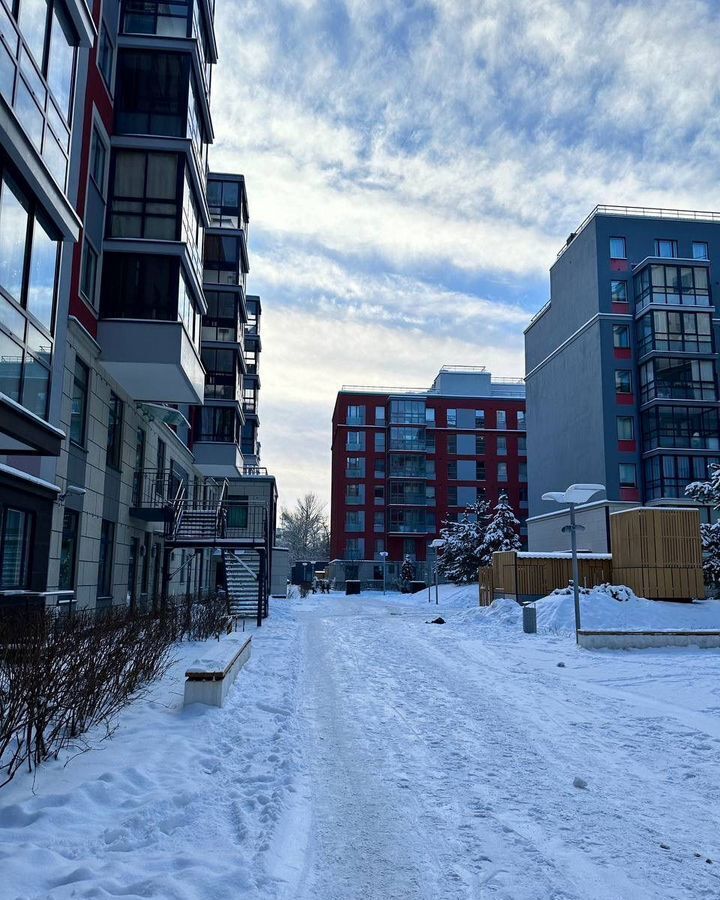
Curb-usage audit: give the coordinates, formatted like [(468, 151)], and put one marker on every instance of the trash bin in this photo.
[(352, 587), (529, 619)]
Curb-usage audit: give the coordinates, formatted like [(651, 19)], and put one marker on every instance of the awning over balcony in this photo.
[(157, 412)]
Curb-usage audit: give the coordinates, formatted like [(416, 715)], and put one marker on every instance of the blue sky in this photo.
[(414, 167)]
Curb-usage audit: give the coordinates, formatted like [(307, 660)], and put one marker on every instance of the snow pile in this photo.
[(617, 608), (606, 607)]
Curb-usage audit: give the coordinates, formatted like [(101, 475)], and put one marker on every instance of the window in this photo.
[(379, 492), (355, 415), (355, 440), (479, 418), (142, 286), (78, 409), (140, 440), (379, 415), (502, 446), (221, 265), (68, 550), (379, 441), (452, 444), (621, 337), (88, 280), (105, 559), (355, 520), (451, 418), (480, 471), (379, 522), (521, 420), (225, 200), (502, 472), (105, 55), (672, 378), (15, 541), (452, 469), (688, 332), (379, 546), (355, 467), (153, 92), (700, 250), (501, 419), (379, 468), (623, 381), (522, 446), (452, 495), (145, 192), (430, 416), (115, 423), (407, 412), (666, 248), (98, 159), (617, 248), (354, 494), (672, 285), (618, 291), (522, 471), (689, 427), (628, 477), (479, 444), (625, 428)]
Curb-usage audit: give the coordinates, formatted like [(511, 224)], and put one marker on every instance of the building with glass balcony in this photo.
[(40, 44), (406, 460), (621, 365)]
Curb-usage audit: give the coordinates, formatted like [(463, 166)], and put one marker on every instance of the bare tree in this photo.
[(305, 529)]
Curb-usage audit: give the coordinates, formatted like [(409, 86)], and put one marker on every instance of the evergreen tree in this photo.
[(502, 532), (407, 574), (708, 493), (461, 556)]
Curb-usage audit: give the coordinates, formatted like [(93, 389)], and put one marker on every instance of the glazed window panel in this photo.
[(145, 200)]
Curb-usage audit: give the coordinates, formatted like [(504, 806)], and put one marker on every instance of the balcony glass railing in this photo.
[(678, 390)]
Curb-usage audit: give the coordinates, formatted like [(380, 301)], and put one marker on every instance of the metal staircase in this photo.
[(241, 578)]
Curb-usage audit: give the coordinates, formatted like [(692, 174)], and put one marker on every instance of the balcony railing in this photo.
[(678, 390), (153, 489)]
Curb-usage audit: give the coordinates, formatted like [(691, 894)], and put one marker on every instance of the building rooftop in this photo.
[(645, 212), (461, 381)]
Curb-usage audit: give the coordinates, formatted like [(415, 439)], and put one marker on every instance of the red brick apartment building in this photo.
[(405, 460)]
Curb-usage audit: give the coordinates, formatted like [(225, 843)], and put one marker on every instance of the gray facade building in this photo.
[(620, 364)]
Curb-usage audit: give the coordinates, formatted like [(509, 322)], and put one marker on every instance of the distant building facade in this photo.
[(405, 460), (621, 367)]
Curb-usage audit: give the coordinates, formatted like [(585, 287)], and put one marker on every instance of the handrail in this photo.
[(220, 512), (177, 506)]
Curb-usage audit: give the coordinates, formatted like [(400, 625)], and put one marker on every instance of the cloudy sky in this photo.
[(414, 167)]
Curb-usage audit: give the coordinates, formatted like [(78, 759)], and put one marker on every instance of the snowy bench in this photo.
[(209, 678)]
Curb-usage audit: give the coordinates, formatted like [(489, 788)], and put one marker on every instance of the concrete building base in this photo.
[(639, 640)]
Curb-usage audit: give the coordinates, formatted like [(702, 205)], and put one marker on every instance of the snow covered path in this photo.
[(367, 755)]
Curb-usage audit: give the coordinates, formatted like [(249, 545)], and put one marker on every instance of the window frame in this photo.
[(617, 237), (113, 455), (621, 330), (619, 378), (618, 430), (83, 366), (704, 244), (106, 553), (672, 245)]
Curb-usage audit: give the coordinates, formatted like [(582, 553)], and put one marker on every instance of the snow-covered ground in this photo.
[(367, 755)]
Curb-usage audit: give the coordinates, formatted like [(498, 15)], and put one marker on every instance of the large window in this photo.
[(700, 250), (407, 412), (156, 17), (78, 409), (355, 440), (105, 53), (98, 160), (221, 373), (219, 425), (15, 542), (686, 332), (668, 476), (152, 93), (143, 286), (672, 285), (355, 520), (115, 430), (685, 427), (144, 201), (669, 378), (355, 467), (666, 248), (224, 199), (221, 260), (49, 36), (105, 559), (407, 438), (28, 257), (617, 248)]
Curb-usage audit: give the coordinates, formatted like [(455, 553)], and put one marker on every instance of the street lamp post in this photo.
[(384, 555), (436, 545), (575, 494)]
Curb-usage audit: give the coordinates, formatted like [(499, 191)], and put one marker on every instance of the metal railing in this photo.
[(153, 489)]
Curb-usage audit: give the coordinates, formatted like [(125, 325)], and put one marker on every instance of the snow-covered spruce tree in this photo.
[(502, 532), (708, 493), (461, 555), (407, 574)]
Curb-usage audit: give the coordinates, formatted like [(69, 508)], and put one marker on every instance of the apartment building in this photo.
[(405, 460), (621, 367), (149, 490), (40, 44)]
